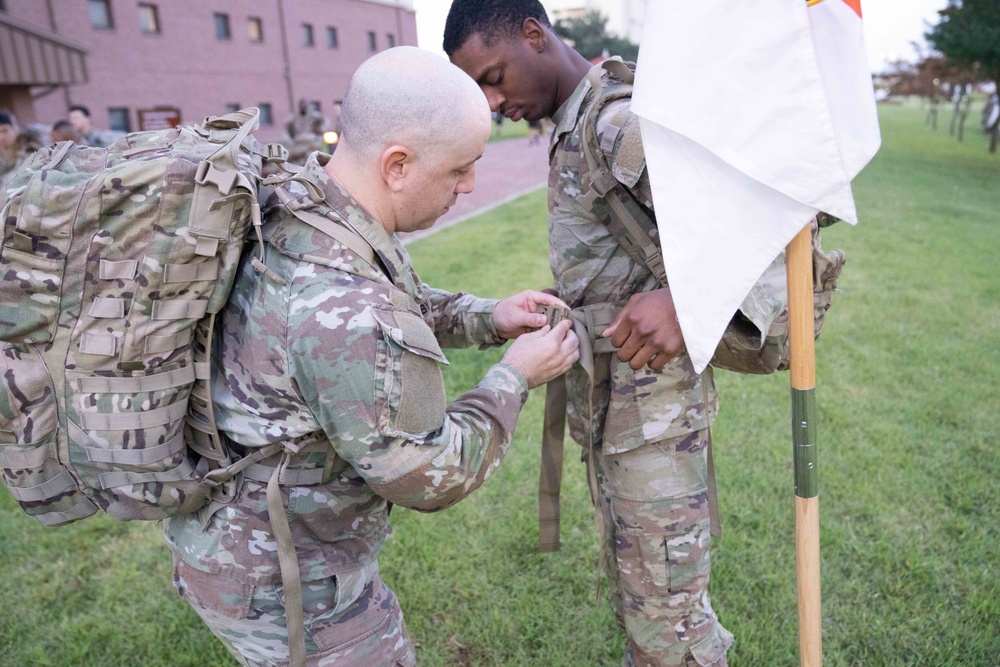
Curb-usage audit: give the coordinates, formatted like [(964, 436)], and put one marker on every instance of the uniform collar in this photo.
[(566, 116)]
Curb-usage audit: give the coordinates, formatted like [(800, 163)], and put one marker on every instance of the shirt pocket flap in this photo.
[(411, 332)]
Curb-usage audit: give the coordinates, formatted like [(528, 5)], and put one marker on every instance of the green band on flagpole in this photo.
[(804, 441)]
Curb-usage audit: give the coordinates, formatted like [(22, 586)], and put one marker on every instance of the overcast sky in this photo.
[(890, 26)]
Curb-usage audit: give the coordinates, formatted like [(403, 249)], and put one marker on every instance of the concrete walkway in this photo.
[(507, 170)]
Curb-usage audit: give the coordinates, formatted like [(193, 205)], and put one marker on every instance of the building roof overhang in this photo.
[(33, 56)]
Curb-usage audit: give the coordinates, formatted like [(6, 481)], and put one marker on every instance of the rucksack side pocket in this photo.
[(127, 444), (30, 289), (39, 482)]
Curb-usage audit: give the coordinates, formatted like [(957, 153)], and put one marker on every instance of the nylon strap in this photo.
[(106, 307), (78, 511), (121, 270), (189, 273), (123, 421), (30, 459), (175, 309), (158, 344), (589, 322), (631, 225), (47, 489), (95, 343), (115, 479), (332, 228), (550, 476), (136, 457), (289, 565)]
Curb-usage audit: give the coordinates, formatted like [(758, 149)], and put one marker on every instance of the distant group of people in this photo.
[(307, 130), (17, 143)]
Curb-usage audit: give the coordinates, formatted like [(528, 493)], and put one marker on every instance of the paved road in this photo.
[(507, 170)]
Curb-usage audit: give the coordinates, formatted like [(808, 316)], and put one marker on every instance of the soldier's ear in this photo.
[(395, 166), (534, 33)]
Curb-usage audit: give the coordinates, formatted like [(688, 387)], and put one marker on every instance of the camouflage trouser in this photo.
[(352, 620), (654, 506)]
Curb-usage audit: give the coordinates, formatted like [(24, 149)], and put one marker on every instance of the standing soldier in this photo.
[(643, 414), (305, 131), (334, 361)]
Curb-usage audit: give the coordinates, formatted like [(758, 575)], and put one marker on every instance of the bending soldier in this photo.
[(338, 360)]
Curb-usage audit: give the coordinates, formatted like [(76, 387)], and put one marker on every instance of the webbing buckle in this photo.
[(554, 314), (209, 173), (276, 153)]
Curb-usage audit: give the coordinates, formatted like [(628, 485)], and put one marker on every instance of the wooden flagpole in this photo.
[(803, 378)]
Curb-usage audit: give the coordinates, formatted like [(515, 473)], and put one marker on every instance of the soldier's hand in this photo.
[(516, 314), (544, 354), (647, 330)]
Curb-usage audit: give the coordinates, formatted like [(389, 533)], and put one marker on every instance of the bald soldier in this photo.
[(337, 358)]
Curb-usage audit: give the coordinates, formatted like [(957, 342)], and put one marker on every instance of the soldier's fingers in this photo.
[(546, 299), (628, 348), (612, 330), (658, 362), (560, 330), (641, 358), (570, 343)]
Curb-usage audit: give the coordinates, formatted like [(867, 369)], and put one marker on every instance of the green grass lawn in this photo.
[(908, 368)]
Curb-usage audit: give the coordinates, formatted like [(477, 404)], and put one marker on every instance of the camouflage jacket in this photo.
[(630, 408), (347, 355)]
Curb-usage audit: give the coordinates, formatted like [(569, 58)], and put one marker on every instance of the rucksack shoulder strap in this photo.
[(631, 224), (316, 217)]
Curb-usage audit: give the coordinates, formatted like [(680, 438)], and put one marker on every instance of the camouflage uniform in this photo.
[(649, 429), (348, 356)]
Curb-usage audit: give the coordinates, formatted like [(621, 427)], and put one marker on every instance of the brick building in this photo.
[(201, 57)]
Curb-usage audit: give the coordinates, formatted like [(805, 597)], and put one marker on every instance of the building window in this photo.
[(255, 28), (233, 107), (149, 19), (390, 39), (266, 117), (118, 119), (372, 45), (100, 14), (222, 27), (307, 35), (331, 37)]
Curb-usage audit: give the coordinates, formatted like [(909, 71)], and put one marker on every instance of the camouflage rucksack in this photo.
[(112, 265)]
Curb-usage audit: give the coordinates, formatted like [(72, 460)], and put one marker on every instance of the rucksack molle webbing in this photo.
[(113, 263)]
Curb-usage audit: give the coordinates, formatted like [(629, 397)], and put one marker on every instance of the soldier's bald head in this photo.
[(411, 97)]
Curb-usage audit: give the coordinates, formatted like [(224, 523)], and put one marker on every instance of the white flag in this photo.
[(754, 116)]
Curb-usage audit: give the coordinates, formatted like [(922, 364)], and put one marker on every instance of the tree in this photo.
[(589, 35), (969, 33)]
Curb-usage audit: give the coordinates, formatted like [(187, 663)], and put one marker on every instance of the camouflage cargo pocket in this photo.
[(216, 595), (711, 651), (369, 632), (662, 546), (28, 441)]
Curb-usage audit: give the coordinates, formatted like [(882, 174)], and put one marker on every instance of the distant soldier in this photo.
[(305, 132), (9, 155), (334, 362), (79, 116), (16, 145), (63, 130), (335, 125)]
